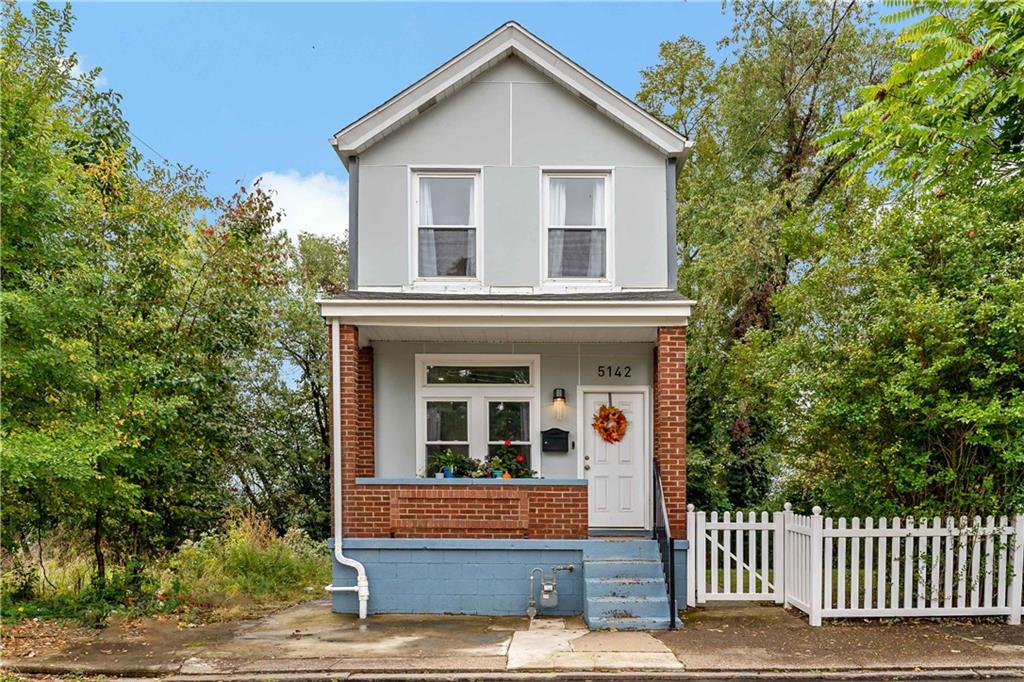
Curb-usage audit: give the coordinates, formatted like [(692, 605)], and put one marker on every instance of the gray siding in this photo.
[(562, 365), (511, 121)]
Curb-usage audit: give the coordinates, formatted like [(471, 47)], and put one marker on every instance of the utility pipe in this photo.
[(362, 585)]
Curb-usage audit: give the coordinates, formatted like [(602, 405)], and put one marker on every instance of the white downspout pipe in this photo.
[(362, 585)]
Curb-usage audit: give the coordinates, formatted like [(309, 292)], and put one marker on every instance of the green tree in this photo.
[(282, 460), (899, 358), (126, 319), (750, 205)]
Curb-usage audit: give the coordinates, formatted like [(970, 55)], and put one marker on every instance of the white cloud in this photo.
[(79, 69), (316, 203)]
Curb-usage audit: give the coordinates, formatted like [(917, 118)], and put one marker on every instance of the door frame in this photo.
[(583, 422)]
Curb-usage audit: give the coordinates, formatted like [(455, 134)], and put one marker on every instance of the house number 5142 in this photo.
[(614, 371)]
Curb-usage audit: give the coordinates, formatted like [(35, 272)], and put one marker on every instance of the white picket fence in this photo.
[(858, 568)]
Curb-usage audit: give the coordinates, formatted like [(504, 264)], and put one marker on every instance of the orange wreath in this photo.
[(611, 423)]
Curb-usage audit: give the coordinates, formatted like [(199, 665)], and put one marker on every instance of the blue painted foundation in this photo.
[(473, 576)]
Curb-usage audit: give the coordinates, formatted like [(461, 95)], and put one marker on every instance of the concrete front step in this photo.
[(631, 549), (617, 608), (628, 623), (625, 587), (620, 569)]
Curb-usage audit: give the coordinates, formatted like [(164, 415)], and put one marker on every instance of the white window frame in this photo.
[(561, 283), (478, 396), (445, 442), (475, 173)]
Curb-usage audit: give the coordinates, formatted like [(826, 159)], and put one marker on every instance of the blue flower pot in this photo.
[(448, 473)]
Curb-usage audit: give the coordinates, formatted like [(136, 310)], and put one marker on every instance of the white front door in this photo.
[(617, 471)]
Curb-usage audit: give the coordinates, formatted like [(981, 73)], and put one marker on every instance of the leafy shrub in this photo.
[(242, 569), (246, 565)]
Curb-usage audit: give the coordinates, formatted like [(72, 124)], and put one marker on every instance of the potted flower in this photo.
[(509, 462), (449, 463)]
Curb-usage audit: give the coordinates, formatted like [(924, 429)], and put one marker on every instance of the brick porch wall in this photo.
[(670, 422), (467, 511), (432, 511)]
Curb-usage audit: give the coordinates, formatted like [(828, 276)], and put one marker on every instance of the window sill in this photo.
[(471, 481)]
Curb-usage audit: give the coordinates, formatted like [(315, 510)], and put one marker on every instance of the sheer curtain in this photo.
[(597, 206), (576, 252), (556, 238), (556, 199), (427, 248)]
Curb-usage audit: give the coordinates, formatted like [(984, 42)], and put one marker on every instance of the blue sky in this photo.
[(243, 90)]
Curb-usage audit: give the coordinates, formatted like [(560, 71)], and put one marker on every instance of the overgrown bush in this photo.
[(240, 570), (248, 564)]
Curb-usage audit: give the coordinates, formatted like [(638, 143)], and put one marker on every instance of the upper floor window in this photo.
[(576, 220), (446, 213)]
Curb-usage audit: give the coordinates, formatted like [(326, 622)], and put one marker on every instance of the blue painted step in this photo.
[(624, 586), (624, 569)]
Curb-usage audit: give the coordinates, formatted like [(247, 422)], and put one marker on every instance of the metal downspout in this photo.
[(362, 585)]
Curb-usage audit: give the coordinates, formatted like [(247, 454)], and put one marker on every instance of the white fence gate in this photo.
[(855, 569)]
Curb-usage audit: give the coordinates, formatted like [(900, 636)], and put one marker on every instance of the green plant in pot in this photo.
[(510, 459), (448, 462)]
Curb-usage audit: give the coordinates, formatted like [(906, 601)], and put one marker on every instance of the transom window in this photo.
[(446, 224), (576, 220), (472, 404)]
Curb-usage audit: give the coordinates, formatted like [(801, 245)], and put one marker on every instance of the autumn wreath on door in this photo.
[(610, 422)]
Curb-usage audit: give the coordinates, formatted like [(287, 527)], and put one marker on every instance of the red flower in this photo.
[(507, 442), (520, 459)]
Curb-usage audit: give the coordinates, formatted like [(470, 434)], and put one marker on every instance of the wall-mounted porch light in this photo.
[(559, 400)]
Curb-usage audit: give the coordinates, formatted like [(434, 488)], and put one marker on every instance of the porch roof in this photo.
[(581, 317)]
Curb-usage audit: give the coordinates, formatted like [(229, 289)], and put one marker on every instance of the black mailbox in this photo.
[(555, 440)]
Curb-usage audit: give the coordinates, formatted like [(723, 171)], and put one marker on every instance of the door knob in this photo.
[(587, 467), (586, 458)]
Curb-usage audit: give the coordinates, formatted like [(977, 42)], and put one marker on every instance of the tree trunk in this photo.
[(97, 548)]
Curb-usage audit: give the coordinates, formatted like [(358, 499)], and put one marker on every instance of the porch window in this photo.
[(446, 224), (472, 403), (576, 221), (508, 420), (447, 427), (443, 374)]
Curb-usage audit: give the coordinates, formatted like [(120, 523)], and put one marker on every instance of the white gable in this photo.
[(511, 38)]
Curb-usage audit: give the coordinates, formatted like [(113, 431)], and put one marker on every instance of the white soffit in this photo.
[(510, 38), (519, 314)]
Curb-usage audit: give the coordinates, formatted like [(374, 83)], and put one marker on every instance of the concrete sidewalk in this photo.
[(728, 640)]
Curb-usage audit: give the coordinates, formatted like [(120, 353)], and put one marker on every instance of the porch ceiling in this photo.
[(508, 334), (575, 319)]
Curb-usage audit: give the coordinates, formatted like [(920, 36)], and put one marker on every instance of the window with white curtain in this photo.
[(446, 224), (576, 223)]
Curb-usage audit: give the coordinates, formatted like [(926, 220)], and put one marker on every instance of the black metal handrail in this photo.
[(666, 544)]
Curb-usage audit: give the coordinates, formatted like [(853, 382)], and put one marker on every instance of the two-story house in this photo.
[(512, 293)]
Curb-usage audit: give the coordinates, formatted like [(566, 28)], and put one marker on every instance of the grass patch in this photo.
[(242, 570)]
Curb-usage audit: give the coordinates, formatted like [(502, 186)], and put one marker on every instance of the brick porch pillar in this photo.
[(670, 422), (354, 424)]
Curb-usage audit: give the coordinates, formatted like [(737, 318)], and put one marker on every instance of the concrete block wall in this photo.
[(475, 577), (485, 577)]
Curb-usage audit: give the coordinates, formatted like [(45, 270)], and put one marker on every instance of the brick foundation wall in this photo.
[(466, 511), (670, 422)]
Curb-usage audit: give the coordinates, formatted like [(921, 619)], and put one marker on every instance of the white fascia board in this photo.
[(454, 313), (510, 38)]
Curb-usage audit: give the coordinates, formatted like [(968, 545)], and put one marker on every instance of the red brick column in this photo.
[(365, 463), (351, 435), (670, 422)]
